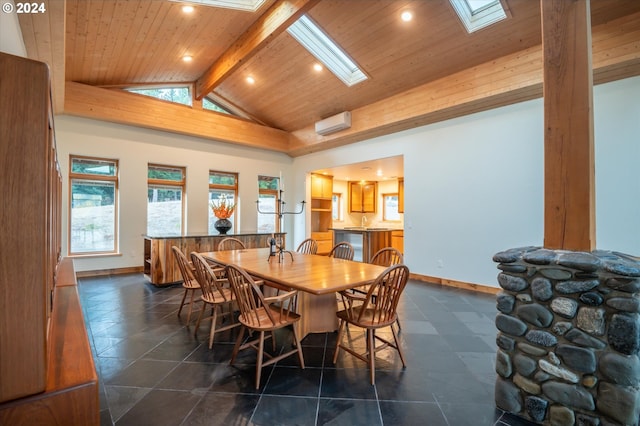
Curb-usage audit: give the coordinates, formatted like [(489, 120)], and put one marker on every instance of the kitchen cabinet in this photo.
[(397, 240), (321, 186), (401, 195), (365, 242), (321, 211), (363, 197)]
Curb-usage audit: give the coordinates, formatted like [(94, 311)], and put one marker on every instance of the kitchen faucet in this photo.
[(363, 221)]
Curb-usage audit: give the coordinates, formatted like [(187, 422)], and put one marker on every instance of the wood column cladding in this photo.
[(47, 374), (321, 211), (363, 196), (569, 165)]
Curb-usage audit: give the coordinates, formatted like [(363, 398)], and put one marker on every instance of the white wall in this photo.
[(474, 185), (617, 150), (135, 148), (10, 35)]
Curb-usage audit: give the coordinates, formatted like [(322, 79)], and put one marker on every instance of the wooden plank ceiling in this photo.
[(111, 44)]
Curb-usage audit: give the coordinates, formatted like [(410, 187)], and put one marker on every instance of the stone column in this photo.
[(569, 336)]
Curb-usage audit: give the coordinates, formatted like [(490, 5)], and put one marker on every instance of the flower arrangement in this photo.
[(222, 209)]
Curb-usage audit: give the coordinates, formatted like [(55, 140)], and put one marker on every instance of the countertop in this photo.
[(361, 229), (212, 235)]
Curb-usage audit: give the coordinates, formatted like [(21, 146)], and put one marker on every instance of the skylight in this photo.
[(477, 14), (247, 5), (320, 45)]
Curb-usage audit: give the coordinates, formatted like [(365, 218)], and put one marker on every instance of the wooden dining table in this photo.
[(317, 278)]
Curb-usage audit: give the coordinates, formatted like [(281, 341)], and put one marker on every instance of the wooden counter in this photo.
[(161, 268), (365, 241)]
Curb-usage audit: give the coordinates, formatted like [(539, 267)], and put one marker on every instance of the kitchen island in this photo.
[(161, 268), (366, 241)]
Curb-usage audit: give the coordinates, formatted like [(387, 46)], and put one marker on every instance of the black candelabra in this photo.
[(275, 248)]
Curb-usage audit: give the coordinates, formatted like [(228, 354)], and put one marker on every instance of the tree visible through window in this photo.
[(93, 205), (164, 200), (180, 95), (267, 199)]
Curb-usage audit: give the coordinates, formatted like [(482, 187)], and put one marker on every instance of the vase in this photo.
[(223, 226)]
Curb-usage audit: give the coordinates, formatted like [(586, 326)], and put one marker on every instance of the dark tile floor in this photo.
[(153, 371)]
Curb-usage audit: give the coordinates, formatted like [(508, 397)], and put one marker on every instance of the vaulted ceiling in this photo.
[(425, 70)]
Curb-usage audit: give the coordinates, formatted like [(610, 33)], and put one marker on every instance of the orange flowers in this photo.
[(222, 209)]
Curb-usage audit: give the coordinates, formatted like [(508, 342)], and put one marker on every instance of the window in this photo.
[(477, 14), (212, 106), (390, 207), (165, 205), (267, 204), (179, 95), (336, 206), (93, 205), (222, 185)]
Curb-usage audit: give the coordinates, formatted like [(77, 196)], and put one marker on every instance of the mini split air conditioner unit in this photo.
[(334, 123)]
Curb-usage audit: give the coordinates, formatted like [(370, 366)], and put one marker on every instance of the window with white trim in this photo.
[(165, 201), (267, 204), (390, 207), (93, 202), (222, 185)]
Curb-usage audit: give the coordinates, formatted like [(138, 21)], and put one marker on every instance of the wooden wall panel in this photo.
[(25, 258)]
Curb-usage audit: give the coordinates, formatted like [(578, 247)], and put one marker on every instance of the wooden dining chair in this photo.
[(215, 293), (189, 282), (370, 316), (308, 246), (342, 250), (386, 257), (262, 314), (230, 243)]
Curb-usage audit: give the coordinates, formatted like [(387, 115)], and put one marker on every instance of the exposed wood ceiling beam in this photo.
[(138, 110), (510, 79), (43, 35), (273, 22)]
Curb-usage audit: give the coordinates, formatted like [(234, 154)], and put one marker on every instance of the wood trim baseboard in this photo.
[(457, 284), (114, 271)]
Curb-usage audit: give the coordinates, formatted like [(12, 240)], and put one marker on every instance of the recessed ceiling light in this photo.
[(406, 16), (250, 80), (187, 9), (317, 67), (187, 58)]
